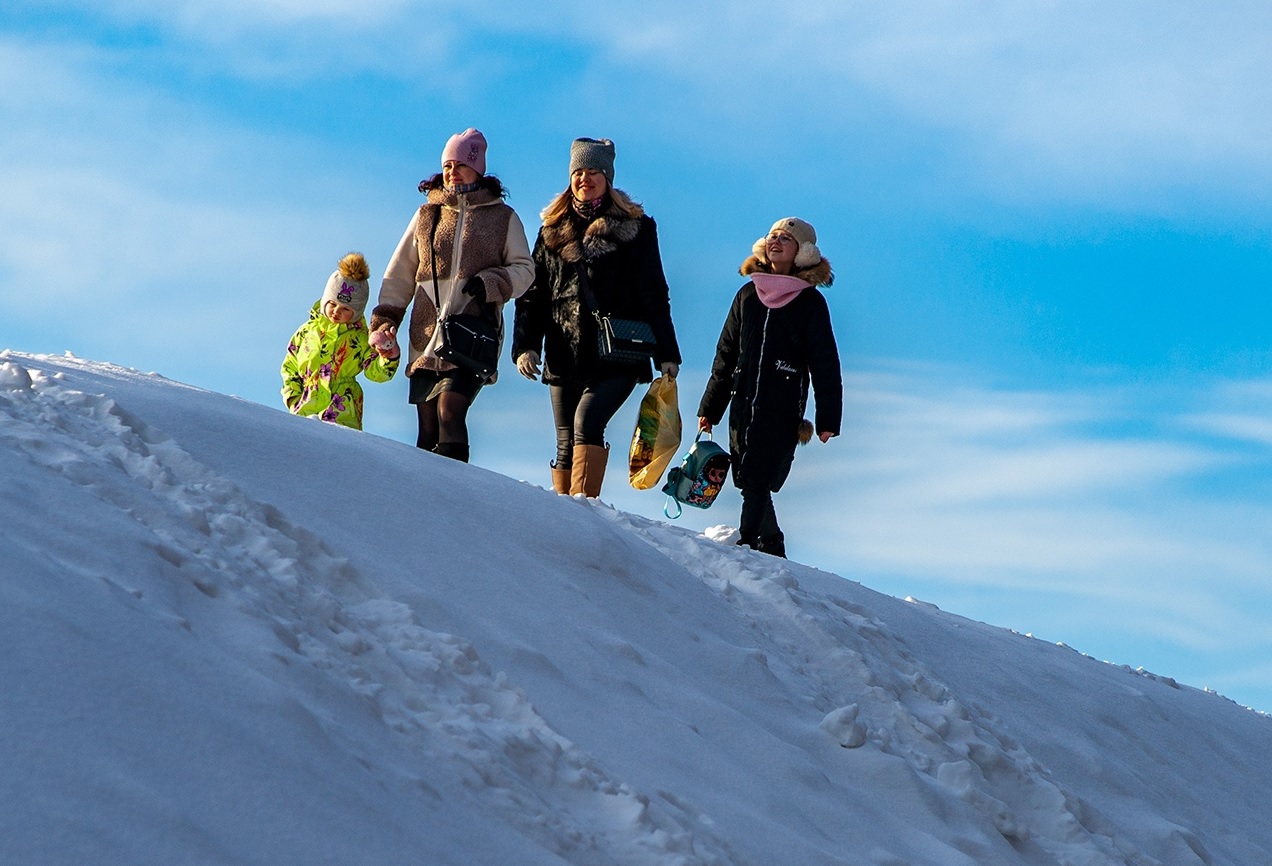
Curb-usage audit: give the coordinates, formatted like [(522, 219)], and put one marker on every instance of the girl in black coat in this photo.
[(591, 232), (776, 339)]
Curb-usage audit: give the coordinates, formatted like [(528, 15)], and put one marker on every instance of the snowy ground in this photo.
[(237, 637)]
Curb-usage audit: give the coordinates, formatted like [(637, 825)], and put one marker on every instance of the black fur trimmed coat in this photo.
[(764, 362), (625, 274)]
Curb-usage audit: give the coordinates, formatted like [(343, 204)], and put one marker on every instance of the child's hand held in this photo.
[(384, 341)]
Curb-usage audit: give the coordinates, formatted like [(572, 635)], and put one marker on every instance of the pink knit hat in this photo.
[(467, 147)]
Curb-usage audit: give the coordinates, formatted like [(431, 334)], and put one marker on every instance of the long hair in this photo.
[(563, 205), (486, 181)]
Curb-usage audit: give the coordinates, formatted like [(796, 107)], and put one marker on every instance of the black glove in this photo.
[(476, 287)]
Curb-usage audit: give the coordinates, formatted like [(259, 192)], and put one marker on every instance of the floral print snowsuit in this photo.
[(322, 365)]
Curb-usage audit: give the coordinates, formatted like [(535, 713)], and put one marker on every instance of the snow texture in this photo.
[(234, 636)]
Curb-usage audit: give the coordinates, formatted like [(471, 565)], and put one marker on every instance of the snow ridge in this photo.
[(871, 689), (429, 686)]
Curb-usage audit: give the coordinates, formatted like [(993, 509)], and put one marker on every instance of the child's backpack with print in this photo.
[(699, 478)]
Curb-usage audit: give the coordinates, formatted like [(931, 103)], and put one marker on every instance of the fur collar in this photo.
[(568, 239), (819, 274)]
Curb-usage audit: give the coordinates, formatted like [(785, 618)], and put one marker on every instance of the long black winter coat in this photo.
[(764, 361), (625, 274)]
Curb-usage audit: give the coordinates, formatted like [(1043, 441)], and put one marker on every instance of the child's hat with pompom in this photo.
[(348, 283)]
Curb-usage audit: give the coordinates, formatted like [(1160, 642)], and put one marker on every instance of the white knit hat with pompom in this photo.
[(348, 283)]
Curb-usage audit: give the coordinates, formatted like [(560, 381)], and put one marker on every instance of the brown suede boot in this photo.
[(561, 480), (589, 470)]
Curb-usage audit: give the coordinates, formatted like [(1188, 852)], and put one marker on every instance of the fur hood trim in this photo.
[(602, 235), (819, 274)]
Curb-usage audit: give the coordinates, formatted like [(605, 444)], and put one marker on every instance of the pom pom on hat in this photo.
[(467, 147), (594, 153), (805, 235), (348, 285)]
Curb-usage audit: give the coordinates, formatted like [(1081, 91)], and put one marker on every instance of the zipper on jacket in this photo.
[(759, 370), (457, 249)]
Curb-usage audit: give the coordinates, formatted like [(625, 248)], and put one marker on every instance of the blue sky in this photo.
[(1049, 225)]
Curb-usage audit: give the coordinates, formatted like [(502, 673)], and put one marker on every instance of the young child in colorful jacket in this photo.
[(327, 353)]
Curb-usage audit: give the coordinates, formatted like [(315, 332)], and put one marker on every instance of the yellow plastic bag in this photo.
[(657, 436)]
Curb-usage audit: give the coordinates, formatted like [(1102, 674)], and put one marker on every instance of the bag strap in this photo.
[(585, 289), (482, 304), (432, 255)]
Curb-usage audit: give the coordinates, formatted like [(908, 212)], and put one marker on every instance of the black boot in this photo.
[(453, 450), (773, 545)]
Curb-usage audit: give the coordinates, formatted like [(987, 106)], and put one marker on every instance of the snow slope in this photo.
[(232, 636)]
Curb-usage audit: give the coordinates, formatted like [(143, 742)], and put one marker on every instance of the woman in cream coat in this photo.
[(482, 261)]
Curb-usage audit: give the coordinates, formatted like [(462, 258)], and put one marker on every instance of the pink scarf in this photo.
[(777, 290)]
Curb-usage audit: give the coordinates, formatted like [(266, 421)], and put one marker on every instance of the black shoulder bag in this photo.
[(619, 341), (467, 340)]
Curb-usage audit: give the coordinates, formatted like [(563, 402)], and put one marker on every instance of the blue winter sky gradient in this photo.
[(1049, 225)]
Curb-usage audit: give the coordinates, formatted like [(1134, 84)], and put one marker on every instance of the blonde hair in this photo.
[(563, 204)]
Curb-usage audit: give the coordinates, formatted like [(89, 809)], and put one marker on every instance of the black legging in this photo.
[(443, 419), (582, 411)]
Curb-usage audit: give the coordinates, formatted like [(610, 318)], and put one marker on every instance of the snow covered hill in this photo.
[(232, 636)]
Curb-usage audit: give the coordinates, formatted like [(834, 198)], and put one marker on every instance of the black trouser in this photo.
[(581, 412), (759, 529)]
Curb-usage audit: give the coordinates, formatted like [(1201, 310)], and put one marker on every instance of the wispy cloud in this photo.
[(1038, 102), (1079, 509), (123, 203)]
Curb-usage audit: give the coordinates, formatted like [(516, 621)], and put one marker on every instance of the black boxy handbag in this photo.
[(466, 340), (471, 342), (625, 341), (619, 341)]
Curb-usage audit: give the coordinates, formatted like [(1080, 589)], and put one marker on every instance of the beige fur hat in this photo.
[(348, 283), (805, 235)]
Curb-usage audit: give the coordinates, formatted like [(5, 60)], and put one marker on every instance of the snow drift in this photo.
[(232, 636)]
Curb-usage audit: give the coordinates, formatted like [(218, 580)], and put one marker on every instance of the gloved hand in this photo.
[(528, 365), (476, 287), (669, 368), (384, 341)]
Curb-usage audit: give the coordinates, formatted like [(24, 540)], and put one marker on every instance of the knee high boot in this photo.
[(561, 480), (589, 470)]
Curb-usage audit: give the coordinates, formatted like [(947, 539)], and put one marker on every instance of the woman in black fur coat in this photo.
[(594, 230), (776, 339)]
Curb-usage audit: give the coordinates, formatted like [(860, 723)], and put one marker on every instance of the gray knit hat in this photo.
[(595, 153), (348, 283)]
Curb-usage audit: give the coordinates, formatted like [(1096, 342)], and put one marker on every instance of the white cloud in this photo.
[(1035, 101), (125, 205), (215, 19), (1077, 100), (1100, 491)]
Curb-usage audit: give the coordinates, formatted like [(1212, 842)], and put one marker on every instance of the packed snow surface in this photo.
[(233, 636)]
